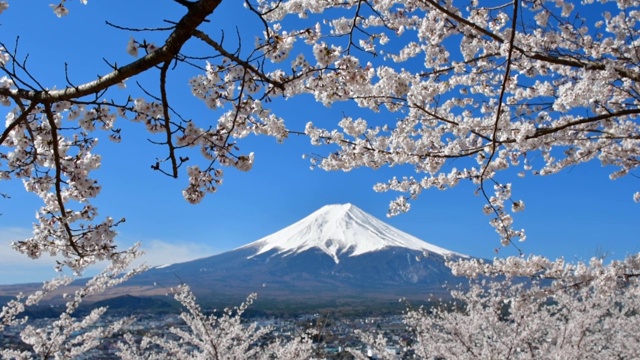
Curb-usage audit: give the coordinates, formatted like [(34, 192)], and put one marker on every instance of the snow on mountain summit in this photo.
[(340, 230)]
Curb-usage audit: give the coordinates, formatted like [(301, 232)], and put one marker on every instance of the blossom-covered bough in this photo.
[(510, 88)]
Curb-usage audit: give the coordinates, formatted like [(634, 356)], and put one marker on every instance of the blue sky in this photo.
[(576, 214)]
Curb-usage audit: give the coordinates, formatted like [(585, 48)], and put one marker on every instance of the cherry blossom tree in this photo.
[(523, 87), (214, 337), (530, 308)]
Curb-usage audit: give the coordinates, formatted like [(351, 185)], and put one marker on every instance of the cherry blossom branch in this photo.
[(184, 30), (21, 118), (498, 209), (58, 179), (215, 45), (626, 73), (167, 119), (614, 115)]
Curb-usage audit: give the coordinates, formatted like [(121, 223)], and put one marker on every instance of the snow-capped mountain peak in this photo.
[(340, 230)]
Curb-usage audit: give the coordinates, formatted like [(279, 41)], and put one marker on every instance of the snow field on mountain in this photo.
[(340, 230)]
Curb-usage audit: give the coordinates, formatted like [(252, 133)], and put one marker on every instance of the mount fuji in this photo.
[(338, 231), (339, 256)]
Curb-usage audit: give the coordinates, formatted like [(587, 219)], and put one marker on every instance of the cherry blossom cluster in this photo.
[(216, 337)]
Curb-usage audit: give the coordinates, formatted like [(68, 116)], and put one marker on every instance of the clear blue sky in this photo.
[(576, 214)]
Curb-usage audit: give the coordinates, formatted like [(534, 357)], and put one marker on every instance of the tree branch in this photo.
[(184, 30), (546, 58), (167, 120), (207, 40), (58, 182)]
